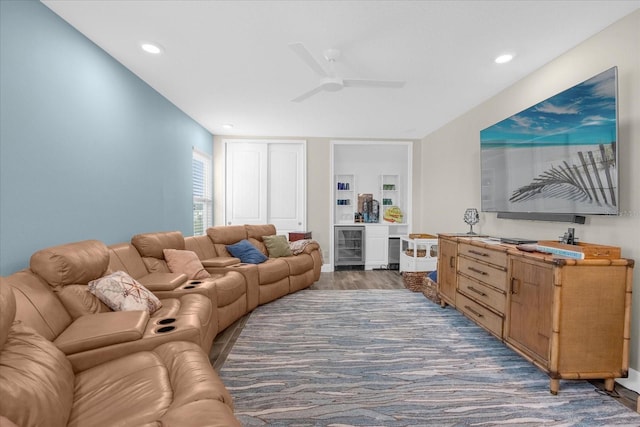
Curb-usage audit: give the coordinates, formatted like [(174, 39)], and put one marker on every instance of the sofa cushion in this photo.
[(256, 231), (36, 379), (201, 245), (152, 244), (141, 388), (79, 301), (299, 264), (122, 292), (246, 252), (226, 234), (125, 257), (277, 246), (71, 263), (186, 262), (274, 270)]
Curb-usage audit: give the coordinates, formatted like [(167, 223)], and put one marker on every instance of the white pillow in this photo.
[(121, 292)]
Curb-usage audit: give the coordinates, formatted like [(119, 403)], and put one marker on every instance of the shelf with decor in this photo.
[(345, 198), (392, 204)]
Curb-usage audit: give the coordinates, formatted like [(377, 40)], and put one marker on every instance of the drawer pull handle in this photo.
[(475, 313), (472, 289), (471, 251), (452, 262), (475, 270)]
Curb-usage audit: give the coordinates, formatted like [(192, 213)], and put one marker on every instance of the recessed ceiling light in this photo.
[(503, 59), (152, 48), (227, 126)]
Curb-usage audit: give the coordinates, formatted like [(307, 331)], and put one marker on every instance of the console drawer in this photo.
[(483, 272), (485, 255), (482, 293), (479, 314)]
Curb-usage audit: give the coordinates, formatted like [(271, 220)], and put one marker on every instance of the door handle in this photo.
[(515, 286)]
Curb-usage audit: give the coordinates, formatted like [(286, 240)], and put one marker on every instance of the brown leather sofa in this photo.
[(227, 292), (171, 384), (104, 335), (276, 277), (231, 286), (75, 331)]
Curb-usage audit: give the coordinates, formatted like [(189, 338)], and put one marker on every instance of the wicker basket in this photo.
[(421, 253), (413, 280), (430, 290)]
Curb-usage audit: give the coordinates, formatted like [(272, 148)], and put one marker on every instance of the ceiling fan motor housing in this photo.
[(332, 84)]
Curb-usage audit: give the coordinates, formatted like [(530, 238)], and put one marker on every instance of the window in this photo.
[(202, 193)]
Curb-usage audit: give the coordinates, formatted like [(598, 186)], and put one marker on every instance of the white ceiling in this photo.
[(229, 61)]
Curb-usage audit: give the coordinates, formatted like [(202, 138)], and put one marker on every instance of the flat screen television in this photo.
[(556, 158)]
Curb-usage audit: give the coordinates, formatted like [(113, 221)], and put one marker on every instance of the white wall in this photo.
[(451, 155)]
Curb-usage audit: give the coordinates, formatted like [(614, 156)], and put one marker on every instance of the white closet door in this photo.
[(266, 184), (246, 183), (286, 200)]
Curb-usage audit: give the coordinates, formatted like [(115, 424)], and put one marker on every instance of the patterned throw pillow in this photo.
[(186, 262), (246, 252), (277, 246), (121, 292)]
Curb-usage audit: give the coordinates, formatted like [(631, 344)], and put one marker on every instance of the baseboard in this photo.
[(632, 382), (326, 268)]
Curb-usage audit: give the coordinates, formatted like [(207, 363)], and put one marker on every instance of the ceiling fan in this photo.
[(329, 81)]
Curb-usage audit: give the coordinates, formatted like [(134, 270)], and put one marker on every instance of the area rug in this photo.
[(393, 358)]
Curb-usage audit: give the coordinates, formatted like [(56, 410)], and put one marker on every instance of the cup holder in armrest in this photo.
[(165, 329), (192, 284), (166, 321)]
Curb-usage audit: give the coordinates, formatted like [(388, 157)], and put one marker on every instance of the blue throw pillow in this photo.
[(247, 252)]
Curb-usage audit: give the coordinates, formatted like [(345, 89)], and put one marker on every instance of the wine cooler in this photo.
[(349, 247)]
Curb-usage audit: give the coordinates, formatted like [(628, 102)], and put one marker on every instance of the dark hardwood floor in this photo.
[(377, 279)]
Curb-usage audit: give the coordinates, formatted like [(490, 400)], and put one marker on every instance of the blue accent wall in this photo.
[(87, 149)]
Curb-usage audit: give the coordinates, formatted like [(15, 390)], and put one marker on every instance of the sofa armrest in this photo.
[(220, 262), (163, 281), (101, 330), (310, 248)]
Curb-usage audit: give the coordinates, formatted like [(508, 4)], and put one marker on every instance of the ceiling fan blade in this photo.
[(306, 56), (372, 83), (307, 94)]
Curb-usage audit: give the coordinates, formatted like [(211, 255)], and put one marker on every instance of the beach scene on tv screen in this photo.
[(559, 156)]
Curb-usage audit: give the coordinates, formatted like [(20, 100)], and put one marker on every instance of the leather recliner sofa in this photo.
[(52, 302), (171, 384), (227, 292), (57, 304), (275, 277), (233, 291)]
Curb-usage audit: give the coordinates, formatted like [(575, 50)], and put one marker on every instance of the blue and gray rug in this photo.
[(393, 358)]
